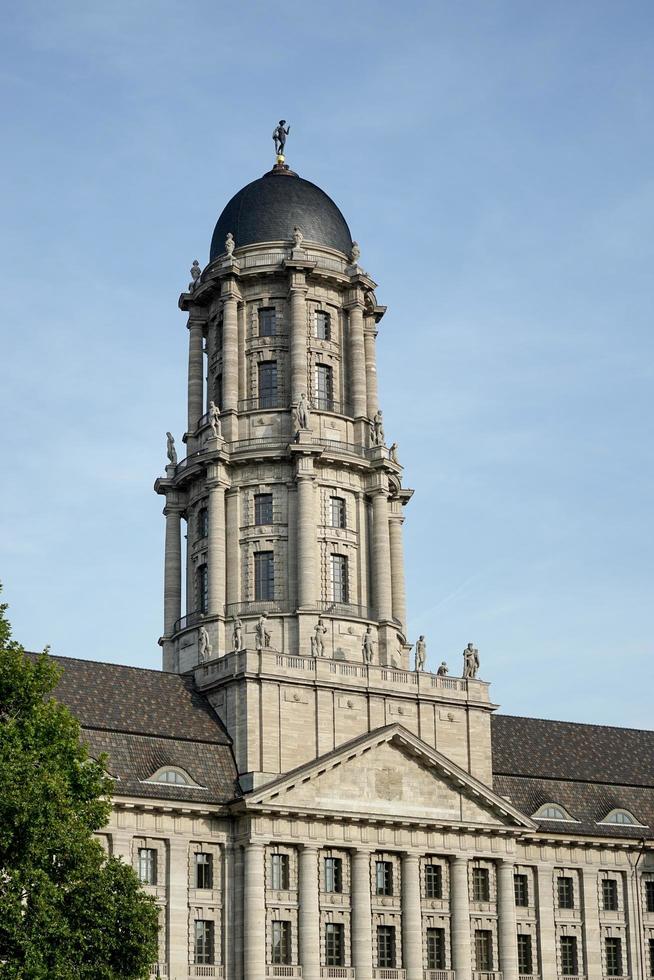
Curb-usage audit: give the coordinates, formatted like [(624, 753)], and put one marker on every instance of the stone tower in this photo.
[(292, 500)]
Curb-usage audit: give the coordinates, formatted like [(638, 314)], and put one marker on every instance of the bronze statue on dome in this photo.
[(279, 135)]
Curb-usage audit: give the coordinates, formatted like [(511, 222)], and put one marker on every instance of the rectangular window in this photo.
[(203, 522), (219, 336), (147, 866), (337, 512), (280, 872), (340, 584), (268, 384), (569, 961), (484, 949), (203, 588), (281, 941), (263, 508), (334, 944), (609, 895), (649, 895), (333, 874), (525, 959), (324, 388), (323, 325), (386, 946), (218, 390), (613, 951), (264, 576), (566, 892), (383, 878), (204, 870), (267, 321), (436, 949), (521, 889), (433, 881), (480, 887), (651, 957), (204, 932)]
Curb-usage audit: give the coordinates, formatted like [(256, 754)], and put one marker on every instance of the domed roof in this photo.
[(269, 208)]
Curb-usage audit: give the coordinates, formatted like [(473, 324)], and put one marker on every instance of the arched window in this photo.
[(172, 776), (552, 811), (622, 817)]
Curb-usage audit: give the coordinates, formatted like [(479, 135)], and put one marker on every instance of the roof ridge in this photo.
[(105, 663), (577, 724)]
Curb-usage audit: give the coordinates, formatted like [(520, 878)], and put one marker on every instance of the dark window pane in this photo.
[(268, 384), (203, 588), (433, 881), (521, 887), (613, 950), (383, 878), (436, 949), (386, 946), (480, 885), (484, 949), (263, 508), (280, 872), (338, 514), (147, 865), (323, 325), (264, 576), (324, 388), (649, 895), (651, 957), (267, 321), (281, 941), (203, 522), (333, 874), (204, 932), (334, 944), (525, 960), (340, 584), (566, 893), (610, 894), (569, 956), (203, 870)]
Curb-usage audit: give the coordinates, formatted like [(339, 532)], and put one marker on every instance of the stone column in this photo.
[(216, 548), (306, 535), (254, 899), (411, 917), (547, 951), (591, 928), (507, 928), (361, 916), (358, 398), (172, 569), (397, 563), (309, 914), (177, 908), (196, 325), (460, 919), (230, 353), (381, 556), (299, 379), (372, 399)]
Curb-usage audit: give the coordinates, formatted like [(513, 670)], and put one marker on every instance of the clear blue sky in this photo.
[(494, 160)]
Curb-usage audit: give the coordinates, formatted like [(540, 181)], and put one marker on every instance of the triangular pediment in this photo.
[(389, 773)]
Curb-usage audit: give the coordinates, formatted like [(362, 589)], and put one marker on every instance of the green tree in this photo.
[(66, 910)]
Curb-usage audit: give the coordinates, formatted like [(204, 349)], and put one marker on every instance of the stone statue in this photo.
[(317, 642), (214, 420), (229, 244), (171, 452), (378, 424), (303, 411), (421, 653), (204, 645), (355, 254), (470, 661), (280, 132), (298, 237), (237, 633), (392, 452), (196, 272), (261, 634), (367, 646), (442, 670)]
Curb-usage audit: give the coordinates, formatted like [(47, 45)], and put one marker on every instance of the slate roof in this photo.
[(588, 769)]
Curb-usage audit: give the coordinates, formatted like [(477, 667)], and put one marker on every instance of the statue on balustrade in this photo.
[(303, 411), (421, 653), (367, 647), (229, 245), (470, 661), (171, 452), (443, 670), (261, 634), (196, 272), (392, 454), (317, 642), (298, 237), (204, 645), (214, 420), (237, 633), (377, 437)]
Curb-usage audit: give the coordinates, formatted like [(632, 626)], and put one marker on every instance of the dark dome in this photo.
[(269, 208)]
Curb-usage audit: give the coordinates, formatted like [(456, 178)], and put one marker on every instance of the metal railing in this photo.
[(345, 610), (269, 606), (330, 405), (261, 442), (190, 619), (267, 401)]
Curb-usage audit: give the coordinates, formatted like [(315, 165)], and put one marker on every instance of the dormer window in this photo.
[(621, 817), (552, 811), (173, 776)]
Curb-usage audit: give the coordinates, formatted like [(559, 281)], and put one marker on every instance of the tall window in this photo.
[(263, 508), (521, 888), (147, 865), (340, 584), (267, 321), (651, 957), (203, 588), (268, 384), (264, 576), (481, 888), (323, 325), (649, 894), (383, 878), (204, 870), (386, 946), (569, 959), (334, 944), (203, 522), (433, 881), (484, 949), (281, 941), (337, 512), (218, 390), (324, 387), (204, 931), (525, 958), (436, 949), (280, 872), (333, 875), (609, 895), (613, 951), (566, 892)]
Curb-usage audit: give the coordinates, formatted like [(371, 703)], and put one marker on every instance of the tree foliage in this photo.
[(66, 910)]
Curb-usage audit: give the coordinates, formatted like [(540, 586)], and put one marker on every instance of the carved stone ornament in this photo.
[(443, 670), (367, 647), (204, 645), (214, 420), (421, 653), (196, 272), (298, 237), (171, 452), (355, 254), (470, 661), (261, 634), (237, 633)]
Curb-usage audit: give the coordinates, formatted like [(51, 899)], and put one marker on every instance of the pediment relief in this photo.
[(393, 774)]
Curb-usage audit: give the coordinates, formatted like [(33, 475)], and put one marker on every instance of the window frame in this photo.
[(569, 955), (565, 892), (613, 960), (264, 576), (280, 871), (384, 877), (649, 895), (202, 526), (267, 317), (484, 953), (281, 946), (204, 942), (433, 883), (202, 587), (324, 318), (324, 399), (203, 870), (268, 393), (388, 947), (333, 877), (148, 871), (521, 889), (337, 512), (334, 944), (436, 948), (263, 508), (610, 895), (525, 954), (340, 577), (481, 885)]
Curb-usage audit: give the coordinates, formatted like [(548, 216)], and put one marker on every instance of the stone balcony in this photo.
[(439, 975), (274, 970), (337, 972), (210, 970), (388, 973), (486, 975)]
